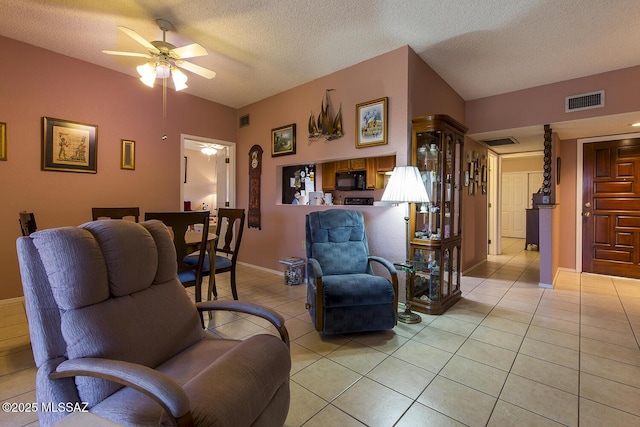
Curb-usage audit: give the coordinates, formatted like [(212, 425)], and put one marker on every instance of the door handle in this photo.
[(586, 214), (587, 205)]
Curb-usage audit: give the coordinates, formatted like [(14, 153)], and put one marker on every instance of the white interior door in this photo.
[(535, 183), (515, 188)]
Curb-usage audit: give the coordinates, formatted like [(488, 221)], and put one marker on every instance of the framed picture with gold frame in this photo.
[(3, 141), (283, 140), (128, 154), (371, 123), (69, 146)]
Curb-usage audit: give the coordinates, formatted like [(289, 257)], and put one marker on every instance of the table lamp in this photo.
[(406, 186)]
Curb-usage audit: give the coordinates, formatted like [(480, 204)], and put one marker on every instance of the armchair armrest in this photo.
[(173, 399), (315, 266), (249, 308), (388, 265)]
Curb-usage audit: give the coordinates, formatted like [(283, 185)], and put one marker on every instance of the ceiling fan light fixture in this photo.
[(179, 79), (163, 70), (147, 73)]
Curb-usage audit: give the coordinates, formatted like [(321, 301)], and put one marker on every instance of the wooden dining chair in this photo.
[(229, 229), (115, 213), (27, 223), (189, 274)]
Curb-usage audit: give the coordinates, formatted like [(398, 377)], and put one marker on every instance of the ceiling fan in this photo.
[(165, 59)]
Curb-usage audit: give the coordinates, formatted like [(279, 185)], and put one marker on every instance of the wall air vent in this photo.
[(244, 121), (586, 101), (500, 141)]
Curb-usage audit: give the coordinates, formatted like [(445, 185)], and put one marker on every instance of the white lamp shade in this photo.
[(147, 73), (179, 79), (405, 186)]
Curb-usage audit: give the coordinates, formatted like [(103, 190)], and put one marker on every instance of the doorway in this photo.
[(216, 187), (494, 244), (522, 173), (611, 207)]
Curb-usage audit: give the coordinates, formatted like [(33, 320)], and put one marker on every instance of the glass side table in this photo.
[(407, 316)]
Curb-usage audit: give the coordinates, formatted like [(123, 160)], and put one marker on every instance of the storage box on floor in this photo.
[(293, 271)]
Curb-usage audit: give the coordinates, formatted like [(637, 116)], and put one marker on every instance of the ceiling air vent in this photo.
[(500, 141), (585, 101), (244, 121)]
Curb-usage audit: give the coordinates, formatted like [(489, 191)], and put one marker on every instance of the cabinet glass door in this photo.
[(448, 183), (427, 220), (455, 273), (457, 186), (426, 263)]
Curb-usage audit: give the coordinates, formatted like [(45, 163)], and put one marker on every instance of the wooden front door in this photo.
[(611, 208)]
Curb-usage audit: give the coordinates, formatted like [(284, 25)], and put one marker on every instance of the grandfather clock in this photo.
[(255, 170)]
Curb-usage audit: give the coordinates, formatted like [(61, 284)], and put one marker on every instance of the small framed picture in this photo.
[(283, 140), (371, 123), (3, 141), (69, 146), (128, 154)]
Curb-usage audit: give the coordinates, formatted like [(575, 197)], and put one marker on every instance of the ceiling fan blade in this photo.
[(137, 37), (196, 69), (138, 55), (189, 51)]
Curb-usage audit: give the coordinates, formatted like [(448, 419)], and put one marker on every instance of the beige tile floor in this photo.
[(509, 353)]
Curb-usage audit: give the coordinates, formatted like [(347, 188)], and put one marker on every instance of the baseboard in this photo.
[(257, 267), (268, 270), (473, 266)]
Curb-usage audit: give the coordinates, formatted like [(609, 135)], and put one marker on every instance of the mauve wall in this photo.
[(430, 94), (545, 104), (566, 198), (42, 83), (282, 230)]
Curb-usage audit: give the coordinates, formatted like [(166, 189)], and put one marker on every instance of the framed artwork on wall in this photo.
[(371, 123), (128, 154), (3, 141), (283, 140), (69, 146)]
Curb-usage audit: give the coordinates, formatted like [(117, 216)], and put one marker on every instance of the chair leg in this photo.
[(212, 287), (234, 291)]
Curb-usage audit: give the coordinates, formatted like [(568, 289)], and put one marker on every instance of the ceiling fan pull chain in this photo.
[(164, 109)]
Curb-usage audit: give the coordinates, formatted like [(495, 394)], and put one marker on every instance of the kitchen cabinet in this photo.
[(386, 163), (375, 167), (328, 176), (349, 165)]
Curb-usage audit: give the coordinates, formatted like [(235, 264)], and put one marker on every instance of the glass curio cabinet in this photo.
[(436, 229)]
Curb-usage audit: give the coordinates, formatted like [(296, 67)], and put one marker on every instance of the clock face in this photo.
[(254, 159)]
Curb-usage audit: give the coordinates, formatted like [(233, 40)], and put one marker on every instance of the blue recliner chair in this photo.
[(344, 295)]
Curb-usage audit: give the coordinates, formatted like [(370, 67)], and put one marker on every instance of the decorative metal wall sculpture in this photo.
[(326, 125)]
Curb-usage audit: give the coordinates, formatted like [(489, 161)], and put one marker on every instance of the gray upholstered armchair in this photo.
[(343, 294), (112, 326)]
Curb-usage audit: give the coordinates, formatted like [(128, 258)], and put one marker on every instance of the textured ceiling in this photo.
[(262, 47)]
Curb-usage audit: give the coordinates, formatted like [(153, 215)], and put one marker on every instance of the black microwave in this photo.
[(351, 181)]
